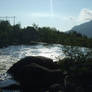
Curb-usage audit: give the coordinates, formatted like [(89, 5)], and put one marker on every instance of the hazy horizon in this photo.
[(61, 14)]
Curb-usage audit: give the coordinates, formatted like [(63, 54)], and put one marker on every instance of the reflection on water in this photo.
[(12, 54)]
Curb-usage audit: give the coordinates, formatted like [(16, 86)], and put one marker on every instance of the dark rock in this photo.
[(43, 61), (36, 73)]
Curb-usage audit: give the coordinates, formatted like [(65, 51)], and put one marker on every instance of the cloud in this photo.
[(85, 15)]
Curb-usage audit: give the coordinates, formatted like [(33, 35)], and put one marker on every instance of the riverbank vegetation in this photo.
[(77, 65), (15, 35)]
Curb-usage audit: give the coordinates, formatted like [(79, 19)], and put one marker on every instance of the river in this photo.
[(11, 54)]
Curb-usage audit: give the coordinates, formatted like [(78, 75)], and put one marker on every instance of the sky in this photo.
[(60, 14)]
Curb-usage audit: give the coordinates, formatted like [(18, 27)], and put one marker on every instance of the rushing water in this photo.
[(11, 54)]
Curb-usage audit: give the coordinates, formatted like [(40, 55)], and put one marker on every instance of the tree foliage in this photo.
[(77, 65), (10, 35)]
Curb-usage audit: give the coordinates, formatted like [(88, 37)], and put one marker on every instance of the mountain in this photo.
[(85, 29)]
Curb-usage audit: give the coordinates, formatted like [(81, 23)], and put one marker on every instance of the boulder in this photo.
[(36, 73)]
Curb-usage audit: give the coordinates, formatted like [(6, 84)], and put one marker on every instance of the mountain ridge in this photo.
[(84, 29)]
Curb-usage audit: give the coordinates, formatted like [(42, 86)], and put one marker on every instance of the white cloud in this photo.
[(85, 15)]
